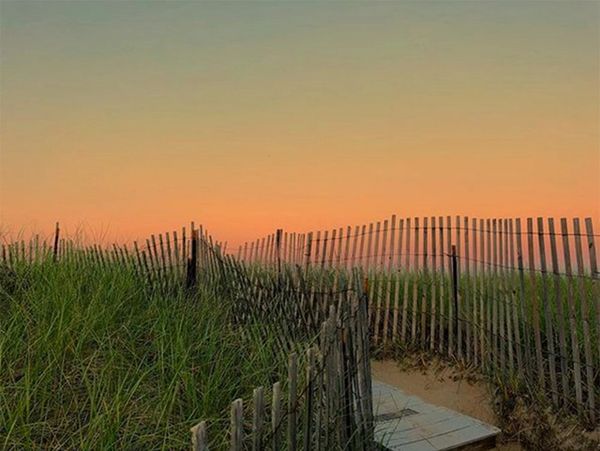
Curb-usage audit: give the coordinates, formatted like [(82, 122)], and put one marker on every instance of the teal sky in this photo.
[(299, 114)]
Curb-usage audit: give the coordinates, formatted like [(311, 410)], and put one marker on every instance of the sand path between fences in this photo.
[(440, 386)]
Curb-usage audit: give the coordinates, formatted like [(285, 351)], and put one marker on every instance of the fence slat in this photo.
[(424, 295), (257, 418), (535, 305), (442, 279), (558, 302), (475, 296), (547, 316), (276, 415), (388, 293), (584, 305), (406, 278), (237, 426), (451, 312), (433, 299), (413, 330), (292, 400), (199, 441), (593, 259), (572, 315), (398, 278)]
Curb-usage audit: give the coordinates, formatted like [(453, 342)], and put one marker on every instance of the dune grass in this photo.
[(89, 359)]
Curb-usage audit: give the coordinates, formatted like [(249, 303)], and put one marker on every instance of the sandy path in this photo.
[(440, 386)]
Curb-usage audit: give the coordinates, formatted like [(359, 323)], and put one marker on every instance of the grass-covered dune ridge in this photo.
[(90, 359)]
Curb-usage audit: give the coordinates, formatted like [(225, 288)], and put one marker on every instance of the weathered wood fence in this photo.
[(330, 403), (320, 330), (519, 298)]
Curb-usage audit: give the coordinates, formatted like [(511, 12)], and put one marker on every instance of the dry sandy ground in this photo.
[(438, 385)]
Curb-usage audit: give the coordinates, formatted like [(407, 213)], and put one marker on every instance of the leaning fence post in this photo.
[(192, 261), (292, 400), (237, 426), (278, 234), (276, 414), (308, 248), (309, 400), (455, 289), (199, 437), (257, 419), (56, 235)]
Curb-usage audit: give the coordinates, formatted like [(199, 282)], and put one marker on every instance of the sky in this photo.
[(125, 118)]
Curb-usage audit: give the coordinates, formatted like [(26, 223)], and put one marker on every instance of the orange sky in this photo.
[(127, 118)]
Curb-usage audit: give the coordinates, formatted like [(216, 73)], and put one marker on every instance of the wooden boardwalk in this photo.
[(408, 423)]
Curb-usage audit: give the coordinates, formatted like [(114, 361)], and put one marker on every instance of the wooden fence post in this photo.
[(237, 425), (308, 248), (276, 414), (56, 236), (594, 272), (199, 437), (192, 263), (309, 400), (292, 400), (278, 249), (257, 419), (455, 290)]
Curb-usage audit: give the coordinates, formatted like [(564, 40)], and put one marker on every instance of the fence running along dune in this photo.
[(325, 401), (518, 298)]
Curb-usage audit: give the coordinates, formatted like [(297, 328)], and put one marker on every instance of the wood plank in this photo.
[(257, 418), (398, 278), (475, 297), (572, 314), (442, 279), (434, 279), (584, 305), (413, 330), (547, 316), (487, 281), (423, 297), (350, 258), (558, 302), (199, 437), (466, 295), (502, 310), (324, 253), (382, 284), (276, 415), (363, 234), (450, 304), (535, 306), (593, 260), (459, 313), (237, 427), (388, 291), (406, 277), (407, 422), (339, 247), (527, 351), (367, 263), (373, 274), (513, 289), (494, 297), (292, 400), (317, 246)]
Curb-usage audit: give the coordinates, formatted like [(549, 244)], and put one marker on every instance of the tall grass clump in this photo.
[(91, 359)]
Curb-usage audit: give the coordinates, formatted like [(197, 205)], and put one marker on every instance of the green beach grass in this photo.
[(89, 359)]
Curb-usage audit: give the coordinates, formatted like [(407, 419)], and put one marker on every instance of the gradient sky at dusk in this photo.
[(135, 117)]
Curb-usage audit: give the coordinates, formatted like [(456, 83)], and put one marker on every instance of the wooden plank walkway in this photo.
[(408, 423)]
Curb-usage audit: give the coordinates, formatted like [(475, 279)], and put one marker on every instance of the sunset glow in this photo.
[(128, 118)]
